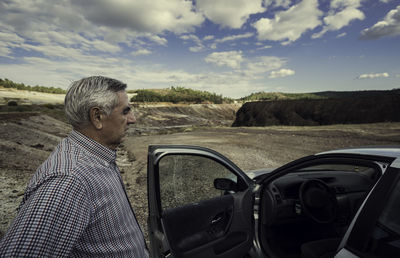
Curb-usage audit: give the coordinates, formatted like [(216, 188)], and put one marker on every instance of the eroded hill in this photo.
[(371, 109)]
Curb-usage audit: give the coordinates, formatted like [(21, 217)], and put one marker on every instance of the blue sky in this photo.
[(230, 47)]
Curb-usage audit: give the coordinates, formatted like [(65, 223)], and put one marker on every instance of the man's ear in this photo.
[(96, 116)]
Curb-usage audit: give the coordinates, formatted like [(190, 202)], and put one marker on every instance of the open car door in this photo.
[(200, 204)]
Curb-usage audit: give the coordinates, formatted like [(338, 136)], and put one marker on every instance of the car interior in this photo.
[(306, 212)]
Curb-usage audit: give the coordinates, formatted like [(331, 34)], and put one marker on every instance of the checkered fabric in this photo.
[(75, 206)]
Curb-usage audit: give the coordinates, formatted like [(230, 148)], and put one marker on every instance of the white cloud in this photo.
[(264, 64), (209, 37), (157, 39), (141, 52), (373, 75), (281, 73), (341, 35), (196, 48), (97, 24), (231, 38), (264, 47), (198, 44), (290, 24), (230, 59), (341, 13), (235, 37), (389, 26), (229, 13), (249, 75), (9, 40)]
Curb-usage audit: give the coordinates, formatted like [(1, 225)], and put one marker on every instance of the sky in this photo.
[(230, 47)]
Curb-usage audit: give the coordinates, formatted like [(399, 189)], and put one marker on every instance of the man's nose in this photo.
[(131, 118)]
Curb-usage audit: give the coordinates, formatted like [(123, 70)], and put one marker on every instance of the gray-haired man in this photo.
[(75, 204)]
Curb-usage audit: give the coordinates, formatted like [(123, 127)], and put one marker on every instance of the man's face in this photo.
[(116, 124)]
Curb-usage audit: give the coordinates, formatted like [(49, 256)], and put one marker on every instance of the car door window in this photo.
[(188, 179), (384, 237)]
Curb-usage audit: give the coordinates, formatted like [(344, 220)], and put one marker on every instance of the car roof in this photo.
[(386, 151)]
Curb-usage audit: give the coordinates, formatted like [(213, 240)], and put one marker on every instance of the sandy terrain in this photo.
[(29, 97), (27, 140)]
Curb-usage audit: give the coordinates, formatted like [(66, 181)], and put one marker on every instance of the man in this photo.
[(75, 204)]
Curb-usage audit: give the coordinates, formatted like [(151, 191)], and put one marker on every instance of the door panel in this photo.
[(188, 216)]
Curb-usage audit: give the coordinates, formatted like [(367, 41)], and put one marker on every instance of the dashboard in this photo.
[(322, 196)]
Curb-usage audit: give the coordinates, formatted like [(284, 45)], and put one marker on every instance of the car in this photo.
[(340, 203)]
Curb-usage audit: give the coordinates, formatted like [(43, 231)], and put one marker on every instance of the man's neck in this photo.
[(93, 134)]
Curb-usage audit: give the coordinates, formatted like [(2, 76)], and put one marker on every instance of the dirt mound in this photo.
[(189, 114), (24, 97), (320, 112)]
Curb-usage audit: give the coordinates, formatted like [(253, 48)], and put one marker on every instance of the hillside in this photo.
[(178, 95), (371, 109), (185, 115)]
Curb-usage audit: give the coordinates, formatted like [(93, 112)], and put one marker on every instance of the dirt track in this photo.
[(27, 141)]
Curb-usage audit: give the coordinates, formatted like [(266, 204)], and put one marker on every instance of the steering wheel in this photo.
[(318, 201)]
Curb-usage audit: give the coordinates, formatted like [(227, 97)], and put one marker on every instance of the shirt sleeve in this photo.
[(50, 221)]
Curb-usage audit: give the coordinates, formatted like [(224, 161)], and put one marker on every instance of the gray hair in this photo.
[(95, 91)]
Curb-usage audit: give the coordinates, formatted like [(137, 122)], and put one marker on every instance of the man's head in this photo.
[(99, 107)]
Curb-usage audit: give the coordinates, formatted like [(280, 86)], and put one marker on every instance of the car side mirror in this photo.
[(225, 184)]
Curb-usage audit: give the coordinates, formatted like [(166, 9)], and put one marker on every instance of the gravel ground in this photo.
[(26, 141)]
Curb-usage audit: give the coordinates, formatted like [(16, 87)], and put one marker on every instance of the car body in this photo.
[(342, 203)]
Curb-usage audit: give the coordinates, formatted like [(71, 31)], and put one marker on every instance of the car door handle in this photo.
[(216, 219)]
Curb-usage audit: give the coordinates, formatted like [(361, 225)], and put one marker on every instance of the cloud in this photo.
[(389, 26), (235, 37), (341, 35), (70, 22), (341, 13), (264, 47), (230, 13), (290, 24), (373, 75), (198, 44), (209, 37), (281, 73), (231, 38), (141, 52), (264, 64), (8, 41), (278, 3), (230, 59), (157, 39), (143, 16)]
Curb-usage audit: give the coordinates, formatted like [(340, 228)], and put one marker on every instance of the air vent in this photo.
[(340, 189)]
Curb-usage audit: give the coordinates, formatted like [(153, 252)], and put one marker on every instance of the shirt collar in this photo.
[(93, 147)]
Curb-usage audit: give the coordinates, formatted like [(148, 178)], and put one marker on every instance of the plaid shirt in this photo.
[(75, 205)]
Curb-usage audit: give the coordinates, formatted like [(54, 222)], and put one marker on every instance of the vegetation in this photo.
[(265, 96), (178, 95), (6, 83), (271, 96)]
